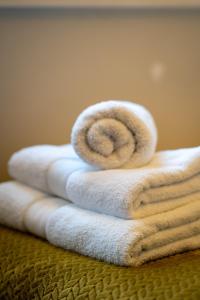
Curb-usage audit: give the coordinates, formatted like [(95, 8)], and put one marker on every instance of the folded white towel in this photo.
[(114, 133), (170, 180), (123, 242), (26, 209)]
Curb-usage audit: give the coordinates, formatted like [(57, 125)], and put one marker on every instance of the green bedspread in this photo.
[(31, 268)]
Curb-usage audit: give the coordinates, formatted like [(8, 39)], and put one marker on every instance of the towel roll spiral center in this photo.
[(106, 136)]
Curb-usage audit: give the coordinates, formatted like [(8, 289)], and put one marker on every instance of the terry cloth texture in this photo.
[(111, 134), (168, 181), (123, 242), (26, 209), (32, 269)]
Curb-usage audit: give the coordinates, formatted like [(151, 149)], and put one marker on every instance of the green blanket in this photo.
[(31, 268)]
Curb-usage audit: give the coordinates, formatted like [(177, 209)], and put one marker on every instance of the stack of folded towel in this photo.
[(109, 195)]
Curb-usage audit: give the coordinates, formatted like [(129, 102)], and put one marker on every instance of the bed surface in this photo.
[(30, 268)]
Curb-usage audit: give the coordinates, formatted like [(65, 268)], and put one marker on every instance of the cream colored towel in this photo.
[(123, 242), (113, 134), (170, 180)]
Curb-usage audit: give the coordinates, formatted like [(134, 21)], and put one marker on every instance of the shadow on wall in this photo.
[(56, 63)]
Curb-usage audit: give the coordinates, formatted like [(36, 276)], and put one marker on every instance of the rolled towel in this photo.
[(123, 242), (170, 180), (113, 134)]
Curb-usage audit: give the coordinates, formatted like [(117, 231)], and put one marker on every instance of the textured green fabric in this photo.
[(33, 269)]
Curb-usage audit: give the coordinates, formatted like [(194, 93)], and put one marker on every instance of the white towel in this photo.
[(123, 242), (170, 180), (26, 209), (111, 134)]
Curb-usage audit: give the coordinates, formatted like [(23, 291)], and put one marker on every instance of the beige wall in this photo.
[(54, 63)]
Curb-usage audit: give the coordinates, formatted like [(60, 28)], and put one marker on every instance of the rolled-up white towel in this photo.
[(112, 134)]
